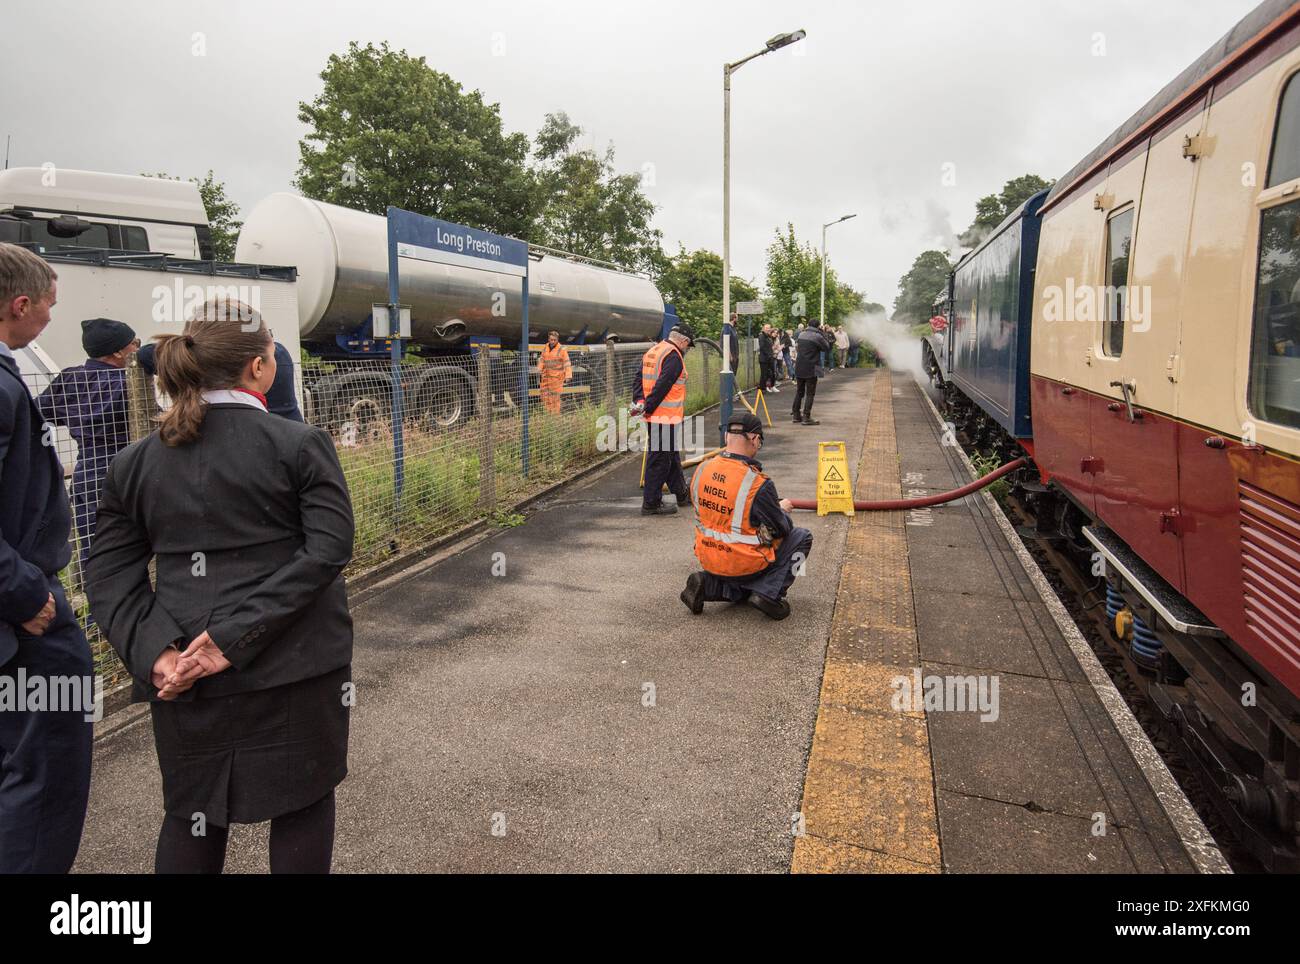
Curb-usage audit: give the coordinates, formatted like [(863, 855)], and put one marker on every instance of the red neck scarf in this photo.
[(257, 395)]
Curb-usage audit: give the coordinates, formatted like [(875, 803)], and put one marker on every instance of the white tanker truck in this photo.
[(340, 259)]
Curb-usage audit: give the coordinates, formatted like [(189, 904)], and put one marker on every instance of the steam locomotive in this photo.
[(1135, 330)]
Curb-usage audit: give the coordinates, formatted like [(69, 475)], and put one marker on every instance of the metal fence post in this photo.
[(141, 405), (487, 463), (611, 381)]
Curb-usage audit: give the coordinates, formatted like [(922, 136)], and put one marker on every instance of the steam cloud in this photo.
[(892, 342)]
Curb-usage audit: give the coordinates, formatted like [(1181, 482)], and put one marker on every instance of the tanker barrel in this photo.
[(341, 259)]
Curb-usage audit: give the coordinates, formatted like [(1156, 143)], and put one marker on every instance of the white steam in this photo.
[(892, 342)]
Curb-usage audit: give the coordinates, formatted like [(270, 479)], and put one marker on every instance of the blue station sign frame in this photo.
[(421, 238)]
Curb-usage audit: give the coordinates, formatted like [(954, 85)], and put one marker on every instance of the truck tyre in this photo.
[(361, 410), (444, 398)]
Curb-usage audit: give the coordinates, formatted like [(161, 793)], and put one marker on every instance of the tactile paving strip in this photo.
[(868, 797)]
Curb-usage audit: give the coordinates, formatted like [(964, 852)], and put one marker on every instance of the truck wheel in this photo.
[(362, 410), (446, 399)]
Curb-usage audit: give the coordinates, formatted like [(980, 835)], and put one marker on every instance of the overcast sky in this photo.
[(860, 117)]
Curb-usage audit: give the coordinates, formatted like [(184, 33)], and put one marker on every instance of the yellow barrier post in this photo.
[(834, 488)]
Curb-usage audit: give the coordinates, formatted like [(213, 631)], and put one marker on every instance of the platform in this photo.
[(1059, 779), (572, 715)]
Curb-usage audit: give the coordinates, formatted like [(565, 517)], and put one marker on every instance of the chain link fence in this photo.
[(461, 453)]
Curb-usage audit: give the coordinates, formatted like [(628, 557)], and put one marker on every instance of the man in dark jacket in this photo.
[(734, 550), (44, 744), (807, 368), (766, 360), (89, 400)]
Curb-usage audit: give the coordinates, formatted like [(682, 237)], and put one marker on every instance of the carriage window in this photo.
[(1275, 343), (1119, 238), (1284, 162)]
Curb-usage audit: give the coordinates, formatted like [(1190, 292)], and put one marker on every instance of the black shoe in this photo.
[(683, 500), (772, 608), (693, 594), (796, 418), (663, 508), (811, 421)]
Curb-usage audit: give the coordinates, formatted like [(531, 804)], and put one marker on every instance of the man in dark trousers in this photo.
[(89, 400), (281, 399), (660, 396), (747, 545), (807, 367), (45, 746), (766, 360)]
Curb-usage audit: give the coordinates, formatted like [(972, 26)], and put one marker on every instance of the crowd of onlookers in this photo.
[(778, 351)]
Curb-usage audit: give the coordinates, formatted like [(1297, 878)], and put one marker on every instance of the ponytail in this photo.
[(217, 344)]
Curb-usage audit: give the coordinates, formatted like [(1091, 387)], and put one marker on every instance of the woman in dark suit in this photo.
[(243, 643)]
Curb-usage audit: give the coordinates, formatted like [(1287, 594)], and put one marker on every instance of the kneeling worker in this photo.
[(744, 537)]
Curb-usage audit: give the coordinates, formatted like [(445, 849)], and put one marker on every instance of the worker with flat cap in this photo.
[(556, 372), (660, 397), (744, 538), (89, 400)]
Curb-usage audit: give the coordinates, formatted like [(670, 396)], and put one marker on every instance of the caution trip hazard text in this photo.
[(834, 487)]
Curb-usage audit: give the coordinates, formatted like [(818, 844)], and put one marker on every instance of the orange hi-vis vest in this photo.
[(555, 364), (726, 542), (673, 407)]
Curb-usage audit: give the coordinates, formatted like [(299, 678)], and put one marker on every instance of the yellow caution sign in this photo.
[(834, 488)]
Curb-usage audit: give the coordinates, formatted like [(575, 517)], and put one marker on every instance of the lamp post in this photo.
[(726, 377), (822, 311)]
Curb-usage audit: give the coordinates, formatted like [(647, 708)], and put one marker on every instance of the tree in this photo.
[(223, 214), (917, 288), (692, 282), (586, 207), (388, 129), (794, 277), (992, 209)]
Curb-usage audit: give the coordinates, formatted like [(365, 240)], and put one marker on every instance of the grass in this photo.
[(984, 464)]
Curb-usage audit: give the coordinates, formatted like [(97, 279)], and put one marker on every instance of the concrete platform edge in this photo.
[(1192, 833)]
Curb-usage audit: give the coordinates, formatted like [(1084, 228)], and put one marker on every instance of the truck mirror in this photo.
[(68, 226)]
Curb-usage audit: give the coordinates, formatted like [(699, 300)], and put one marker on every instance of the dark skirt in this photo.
[(249, 757)]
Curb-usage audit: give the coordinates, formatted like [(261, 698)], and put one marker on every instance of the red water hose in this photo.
[(893, 505)]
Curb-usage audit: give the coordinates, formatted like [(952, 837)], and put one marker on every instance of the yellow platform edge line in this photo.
[(868, 802)]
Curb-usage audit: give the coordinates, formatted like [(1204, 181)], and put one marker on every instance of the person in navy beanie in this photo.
[(89, 400)]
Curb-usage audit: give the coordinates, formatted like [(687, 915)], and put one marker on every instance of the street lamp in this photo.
[(727, 378), (822, 315)]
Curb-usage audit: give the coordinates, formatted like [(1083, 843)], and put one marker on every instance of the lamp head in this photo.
[(785, 39)]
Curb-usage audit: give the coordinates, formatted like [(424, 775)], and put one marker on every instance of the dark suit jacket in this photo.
[(34, 515), (251, 527)]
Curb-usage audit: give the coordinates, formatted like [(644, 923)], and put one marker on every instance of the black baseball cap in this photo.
[(684, 329), (745, 424)]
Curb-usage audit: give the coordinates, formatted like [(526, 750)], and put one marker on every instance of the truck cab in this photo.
[(59, 208)]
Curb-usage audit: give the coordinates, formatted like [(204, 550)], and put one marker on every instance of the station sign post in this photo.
[(421, 238)]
